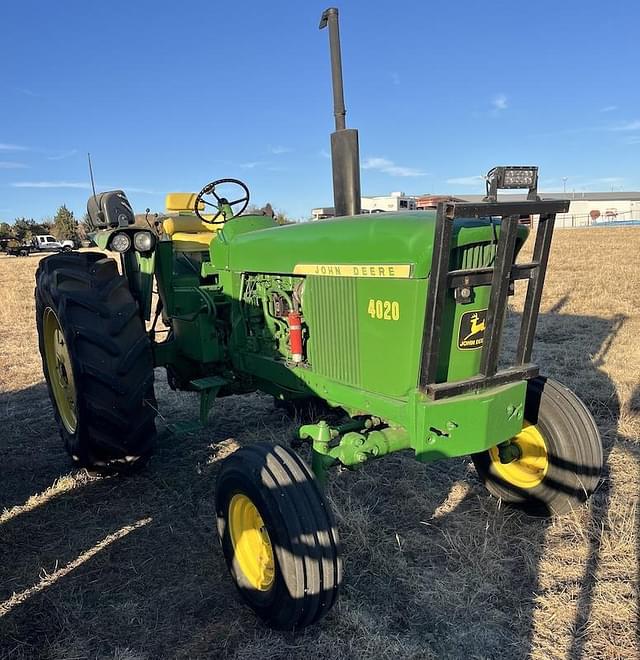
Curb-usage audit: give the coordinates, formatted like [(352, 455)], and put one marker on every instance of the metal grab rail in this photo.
[(503, 273)]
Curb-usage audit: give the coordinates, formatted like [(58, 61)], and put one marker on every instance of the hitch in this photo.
[(357, 442)]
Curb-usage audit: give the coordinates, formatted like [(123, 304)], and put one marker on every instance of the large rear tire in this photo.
[(97, 361), (560, 454), (278, 536)]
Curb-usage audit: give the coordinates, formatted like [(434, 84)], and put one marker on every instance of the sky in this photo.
[(168, 96)]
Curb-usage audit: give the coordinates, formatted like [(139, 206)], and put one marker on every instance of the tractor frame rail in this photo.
[(501, 277)]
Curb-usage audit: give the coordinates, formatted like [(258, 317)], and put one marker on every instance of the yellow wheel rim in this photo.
[(530, 469), (59, 369), (251, 544)]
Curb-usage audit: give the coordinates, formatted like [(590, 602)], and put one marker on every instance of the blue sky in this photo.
[(170, 95)]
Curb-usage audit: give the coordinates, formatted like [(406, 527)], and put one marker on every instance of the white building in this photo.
[(585, 208), (396, 201)]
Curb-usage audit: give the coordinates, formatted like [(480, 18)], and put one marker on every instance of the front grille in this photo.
[(480, 255), (330, 302)]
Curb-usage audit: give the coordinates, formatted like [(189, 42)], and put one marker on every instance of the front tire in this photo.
[(278, 536), (97, 361), (560, 454)]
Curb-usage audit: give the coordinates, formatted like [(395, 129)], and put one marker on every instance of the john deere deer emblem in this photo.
[(472, 326)]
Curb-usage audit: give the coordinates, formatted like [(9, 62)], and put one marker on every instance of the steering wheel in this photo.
[(222, 205)]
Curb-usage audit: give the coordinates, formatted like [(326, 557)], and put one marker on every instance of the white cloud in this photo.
[(609, 108), (466, 180), (279, 149), (324, 153), (633, 139), (80, 185), (50, 184), (8, 165), (63, 154), (499, 102), (252, 164), (389, 167), (11, 147), (626, 126)]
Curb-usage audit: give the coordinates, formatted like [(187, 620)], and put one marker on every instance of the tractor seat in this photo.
[(187, 232)]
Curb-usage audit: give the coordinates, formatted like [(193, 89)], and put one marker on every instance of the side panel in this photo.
[(365, 332)]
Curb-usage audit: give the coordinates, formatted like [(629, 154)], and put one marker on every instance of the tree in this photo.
[(6, 230), (24, 228), (283, 219), (65, 226)]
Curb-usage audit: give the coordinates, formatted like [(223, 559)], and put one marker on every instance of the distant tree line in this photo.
[(63, 226)]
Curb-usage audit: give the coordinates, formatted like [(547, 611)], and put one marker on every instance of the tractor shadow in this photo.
[(434, 566)]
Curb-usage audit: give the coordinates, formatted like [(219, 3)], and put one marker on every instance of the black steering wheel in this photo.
[(222, 205)]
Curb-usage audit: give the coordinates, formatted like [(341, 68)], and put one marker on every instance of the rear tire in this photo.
[(293, 576), (573, 450), (97, 360)]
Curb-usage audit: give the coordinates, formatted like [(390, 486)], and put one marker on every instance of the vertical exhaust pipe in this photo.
[(345, 153)]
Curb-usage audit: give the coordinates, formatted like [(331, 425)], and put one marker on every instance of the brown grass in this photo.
[(130, 568)]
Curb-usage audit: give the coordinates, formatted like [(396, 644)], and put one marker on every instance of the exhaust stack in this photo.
[(345, 153)]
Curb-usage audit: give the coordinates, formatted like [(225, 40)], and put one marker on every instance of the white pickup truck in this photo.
[(49, 243)]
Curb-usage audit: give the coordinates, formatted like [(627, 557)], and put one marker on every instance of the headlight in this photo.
[(143, 241), (120, 242), (512, 178)]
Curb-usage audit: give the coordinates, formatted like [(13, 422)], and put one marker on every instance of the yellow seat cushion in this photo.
[(188, 224), (187, 232), (192, 241)]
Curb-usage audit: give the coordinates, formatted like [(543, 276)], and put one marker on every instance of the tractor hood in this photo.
[(394, 240)]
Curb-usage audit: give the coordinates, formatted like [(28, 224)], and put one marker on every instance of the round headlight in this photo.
[(120, 242), (143, 241)]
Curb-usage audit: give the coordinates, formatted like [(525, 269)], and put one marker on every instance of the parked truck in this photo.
[(48, 243)]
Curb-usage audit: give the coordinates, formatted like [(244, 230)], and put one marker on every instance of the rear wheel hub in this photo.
[(60, 371)]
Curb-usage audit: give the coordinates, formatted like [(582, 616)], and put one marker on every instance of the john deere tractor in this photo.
[(393, 319)]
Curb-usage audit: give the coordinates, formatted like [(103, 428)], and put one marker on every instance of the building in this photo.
[(424, 202), (396, 201), (323, 212), (586, 208)]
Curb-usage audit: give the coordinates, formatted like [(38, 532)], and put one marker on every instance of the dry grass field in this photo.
[(130, 568)]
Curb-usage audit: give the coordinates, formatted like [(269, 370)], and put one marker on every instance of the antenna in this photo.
[(93, 183)]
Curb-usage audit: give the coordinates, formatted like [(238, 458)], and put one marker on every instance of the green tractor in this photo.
[(393, 319)]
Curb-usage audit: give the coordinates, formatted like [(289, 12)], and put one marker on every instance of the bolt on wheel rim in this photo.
[(530, 469), (251, 543), (60, 371)]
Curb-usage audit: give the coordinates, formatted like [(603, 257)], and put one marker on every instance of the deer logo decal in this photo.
[(472, 327)]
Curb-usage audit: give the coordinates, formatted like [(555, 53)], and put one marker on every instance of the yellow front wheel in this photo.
[(529, 460), (278, 536), (554, 463), (251, 543)]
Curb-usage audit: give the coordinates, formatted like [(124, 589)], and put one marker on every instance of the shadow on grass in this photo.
[(132, 564)]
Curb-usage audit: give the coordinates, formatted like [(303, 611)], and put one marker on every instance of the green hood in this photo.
[(382, 238)]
